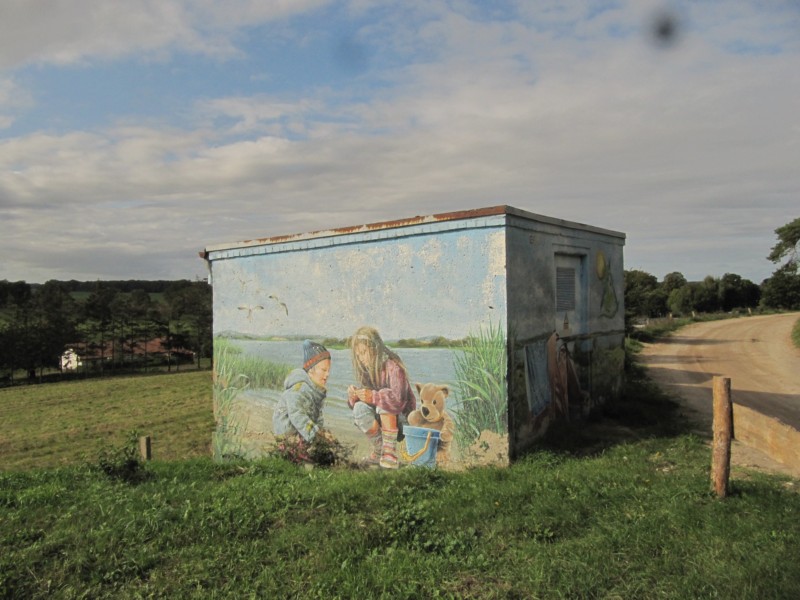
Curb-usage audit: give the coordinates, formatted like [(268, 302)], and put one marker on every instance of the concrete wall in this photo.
[(777, 440), (413, 284), (518, 318), (566, 357)]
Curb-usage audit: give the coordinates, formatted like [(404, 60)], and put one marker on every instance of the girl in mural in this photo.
[(383, 398), (299, 409)]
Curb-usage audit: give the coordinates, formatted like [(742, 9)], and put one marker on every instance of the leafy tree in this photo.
[(643, 297), (672, 281), (681, 300), (782, 290), (22, 353), (199, 312), (121, 328), (788, 243), (5, 289), (733, 291), (190, 307), (54, 314), (706, 295), (99, 314)]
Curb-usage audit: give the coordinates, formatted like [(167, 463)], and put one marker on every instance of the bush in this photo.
[(322, 451), (123, 462)]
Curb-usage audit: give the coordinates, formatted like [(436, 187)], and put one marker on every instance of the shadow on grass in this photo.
[(644, 411)]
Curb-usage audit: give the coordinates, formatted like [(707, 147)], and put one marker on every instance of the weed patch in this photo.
[(322, 451), (123, 462)]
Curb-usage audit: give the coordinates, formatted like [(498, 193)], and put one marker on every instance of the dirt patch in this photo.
[(756, 353), (490, 449)]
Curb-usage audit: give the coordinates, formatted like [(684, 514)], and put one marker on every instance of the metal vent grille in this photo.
[(565, 289)]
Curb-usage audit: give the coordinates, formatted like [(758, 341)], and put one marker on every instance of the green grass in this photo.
[(588, 515), (796, 334), (636, 521), (64, 423)]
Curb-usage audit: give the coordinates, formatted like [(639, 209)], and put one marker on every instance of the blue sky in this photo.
[(133, 135)]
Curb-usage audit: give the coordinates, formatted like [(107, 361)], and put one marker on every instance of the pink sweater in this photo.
[(395, 395)]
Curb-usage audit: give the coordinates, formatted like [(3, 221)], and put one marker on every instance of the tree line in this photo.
[(645, 296), (109, 321)]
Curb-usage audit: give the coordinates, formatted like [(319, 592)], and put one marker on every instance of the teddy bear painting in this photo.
[(431, 414)]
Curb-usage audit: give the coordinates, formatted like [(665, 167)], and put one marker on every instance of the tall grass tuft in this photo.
[(480, 371)]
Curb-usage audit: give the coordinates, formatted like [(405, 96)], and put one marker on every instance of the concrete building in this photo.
[(516, 319)]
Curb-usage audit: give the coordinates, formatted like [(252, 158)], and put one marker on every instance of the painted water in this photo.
[(424, 365)]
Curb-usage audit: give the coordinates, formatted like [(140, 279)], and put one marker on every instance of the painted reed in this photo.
[(480, 370), (234, 372)]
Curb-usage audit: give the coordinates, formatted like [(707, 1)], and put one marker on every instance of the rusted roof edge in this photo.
[(399, 223)]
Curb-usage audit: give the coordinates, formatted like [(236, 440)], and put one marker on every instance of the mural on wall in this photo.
[(296, 361), (361, 393), (554, 379), (608, 303)]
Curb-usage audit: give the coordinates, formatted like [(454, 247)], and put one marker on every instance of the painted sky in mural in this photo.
[(454, 282)]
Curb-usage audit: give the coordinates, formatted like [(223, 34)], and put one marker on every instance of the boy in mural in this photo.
[(299, 409), (383, 398)]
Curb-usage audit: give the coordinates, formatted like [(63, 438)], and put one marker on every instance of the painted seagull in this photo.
[(275, 298), (250, 309)]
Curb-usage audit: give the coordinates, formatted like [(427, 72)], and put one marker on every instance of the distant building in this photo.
[(70, 360), (77, 356)]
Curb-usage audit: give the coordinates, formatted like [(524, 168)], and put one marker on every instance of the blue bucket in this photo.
[(421, 446)]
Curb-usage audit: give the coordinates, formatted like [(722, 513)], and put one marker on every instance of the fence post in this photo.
[(723, 432), (144, 447)]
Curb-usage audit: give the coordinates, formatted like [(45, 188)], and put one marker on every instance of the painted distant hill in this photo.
[(431, 341)]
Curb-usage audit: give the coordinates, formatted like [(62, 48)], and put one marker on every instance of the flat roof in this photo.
[(478, 213)]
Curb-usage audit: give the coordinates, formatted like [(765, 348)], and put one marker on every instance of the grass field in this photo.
[(68, 423), (589, 515)]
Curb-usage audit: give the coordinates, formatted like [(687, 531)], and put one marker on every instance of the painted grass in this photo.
[(480, 371), (234, 372), (233, 365), (66, 423)]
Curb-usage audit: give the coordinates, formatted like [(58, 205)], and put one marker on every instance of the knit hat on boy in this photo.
[(313, 353)]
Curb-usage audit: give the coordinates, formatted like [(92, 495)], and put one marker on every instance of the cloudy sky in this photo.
[(134, 134)]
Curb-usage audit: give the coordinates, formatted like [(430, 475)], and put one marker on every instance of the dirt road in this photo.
[(756, 353)]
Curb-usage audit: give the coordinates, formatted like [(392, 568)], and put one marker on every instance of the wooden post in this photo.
[(723, 432), (144, 447)]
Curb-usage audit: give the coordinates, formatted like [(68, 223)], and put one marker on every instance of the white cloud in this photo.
[(691, 150), (12, 99), (66, 32)]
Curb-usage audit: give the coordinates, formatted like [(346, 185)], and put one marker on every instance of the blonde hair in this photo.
[(369, 375)]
